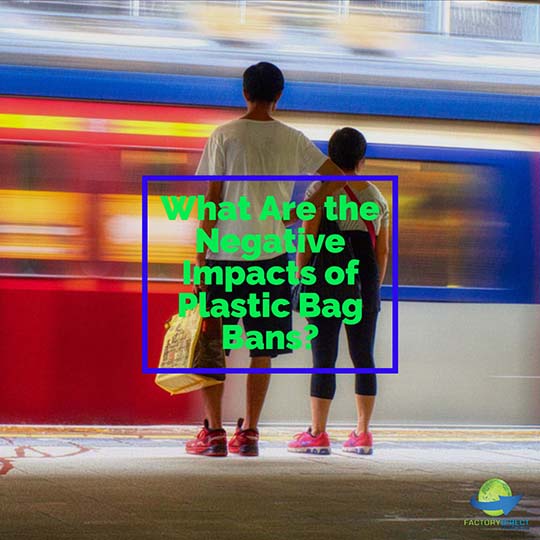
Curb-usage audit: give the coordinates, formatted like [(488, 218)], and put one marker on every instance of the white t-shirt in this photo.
[(254, 147), (369, 194)]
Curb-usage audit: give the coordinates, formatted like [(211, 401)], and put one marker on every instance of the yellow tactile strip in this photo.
[(274, 433)]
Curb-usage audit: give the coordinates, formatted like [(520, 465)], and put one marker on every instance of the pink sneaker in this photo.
[(359, 444), (306, 443)]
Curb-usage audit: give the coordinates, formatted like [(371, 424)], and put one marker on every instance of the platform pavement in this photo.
[(138, 483)]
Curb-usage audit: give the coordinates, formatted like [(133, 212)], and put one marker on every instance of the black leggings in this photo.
[(361, 338)]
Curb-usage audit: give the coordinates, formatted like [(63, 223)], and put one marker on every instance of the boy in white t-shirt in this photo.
[(255, 144)]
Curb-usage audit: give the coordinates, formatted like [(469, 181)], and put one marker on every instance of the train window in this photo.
[(76, 210), (452, 232)]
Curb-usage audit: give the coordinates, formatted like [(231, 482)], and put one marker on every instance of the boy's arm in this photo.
[(212, 194), (328, 168)]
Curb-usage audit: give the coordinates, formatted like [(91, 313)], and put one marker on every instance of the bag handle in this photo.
[(369, 224)]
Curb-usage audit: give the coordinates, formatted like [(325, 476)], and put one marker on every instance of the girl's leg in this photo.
[(361, 339), (323, 385), (320, 408), (364, 408)]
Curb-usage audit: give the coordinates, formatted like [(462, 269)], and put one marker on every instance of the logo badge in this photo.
[(495, 498)]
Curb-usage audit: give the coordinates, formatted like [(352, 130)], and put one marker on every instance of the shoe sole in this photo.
[(217, 450), (360, 450), (246, 450), (249, 450), (319, 450)]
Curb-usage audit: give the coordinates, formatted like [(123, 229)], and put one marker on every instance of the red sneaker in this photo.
[(244, 442), (209, 442), (307, 443), (359, 444)]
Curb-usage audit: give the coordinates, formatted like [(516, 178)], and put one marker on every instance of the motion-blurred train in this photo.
[(74, 145)]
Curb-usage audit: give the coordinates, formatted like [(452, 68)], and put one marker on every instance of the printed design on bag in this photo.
[(179, 338)]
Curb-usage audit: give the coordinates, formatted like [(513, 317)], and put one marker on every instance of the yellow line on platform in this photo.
[(269, 433)]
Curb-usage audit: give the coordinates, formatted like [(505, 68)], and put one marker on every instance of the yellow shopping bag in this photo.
[(191, 342)]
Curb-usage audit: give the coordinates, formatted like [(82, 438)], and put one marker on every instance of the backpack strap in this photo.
[(369, 224)]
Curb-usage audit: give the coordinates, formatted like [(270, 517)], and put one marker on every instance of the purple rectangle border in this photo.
[(209, 371)]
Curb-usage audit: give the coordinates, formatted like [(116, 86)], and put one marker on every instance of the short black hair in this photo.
[(347, 147), (263, 82)]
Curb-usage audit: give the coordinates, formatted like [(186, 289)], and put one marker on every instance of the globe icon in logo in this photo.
[(491, 491)]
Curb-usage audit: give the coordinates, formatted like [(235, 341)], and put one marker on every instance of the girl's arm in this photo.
[(381, 252)]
